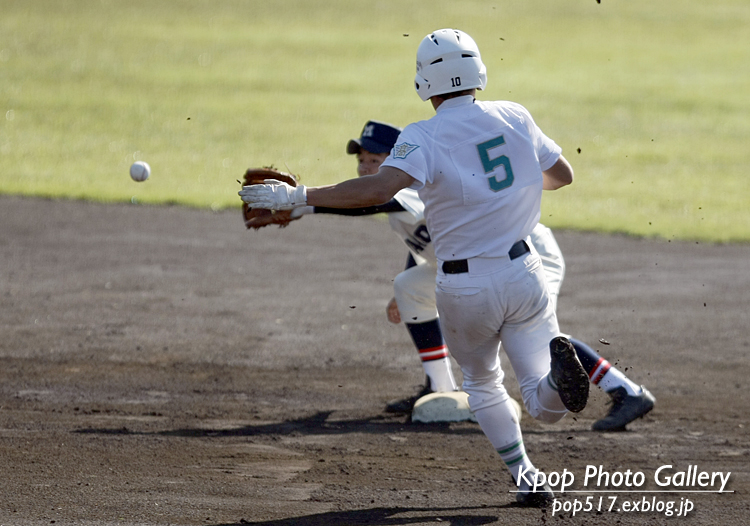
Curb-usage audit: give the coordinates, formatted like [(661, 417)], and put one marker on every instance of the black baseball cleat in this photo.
[(528, 498), (568, 374), (625, 408), (405, 405)]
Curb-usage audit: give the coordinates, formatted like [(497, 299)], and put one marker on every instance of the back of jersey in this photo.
[(480, 165)]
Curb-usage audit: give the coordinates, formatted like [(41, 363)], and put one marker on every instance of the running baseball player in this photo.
[(480, 169), (414, 290)]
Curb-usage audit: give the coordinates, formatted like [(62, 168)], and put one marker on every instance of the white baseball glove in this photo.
[(274, 195)]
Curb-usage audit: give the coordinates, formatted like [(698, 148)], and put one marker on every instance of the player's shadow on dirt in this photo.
[(316, 424), (380, 517)]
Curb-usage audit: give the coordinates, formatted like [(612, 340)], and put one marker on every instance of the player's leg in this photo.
[(528, 349), (472, 310), (414, 290), (428, 339), (551, 379), (492, 407), (629, 400), (471, 332)]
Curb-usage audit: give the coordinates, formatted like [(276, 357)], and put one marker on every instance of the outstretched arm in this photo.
[(364, 191), (368, 190)]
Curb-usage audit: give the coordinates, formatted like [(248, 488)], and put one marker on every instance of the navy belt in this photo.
[(459, 266)]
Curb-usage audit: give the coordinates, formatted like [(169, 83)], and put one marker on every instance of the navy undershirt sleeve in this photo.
[(387, 208)]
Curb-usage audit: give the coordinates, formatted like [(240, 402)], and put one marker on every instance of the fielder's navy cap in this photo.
[(377, 137)]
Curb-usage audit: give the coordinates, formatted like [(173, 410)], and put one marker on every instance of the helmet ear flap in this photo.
[(422, 86)]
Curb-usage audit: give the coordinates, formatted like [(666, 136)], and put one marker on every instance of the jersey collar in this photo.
[(456, 102)]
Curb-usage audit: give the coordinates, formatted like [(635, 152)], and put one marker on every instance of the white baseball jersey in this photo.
[(478, 168)]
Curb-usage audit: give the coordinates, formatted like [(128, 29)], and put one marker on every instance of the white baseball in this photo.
[(140, 171)]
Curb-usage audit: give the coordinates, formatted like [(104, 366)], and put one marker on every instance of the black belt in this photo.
[(459, 266)]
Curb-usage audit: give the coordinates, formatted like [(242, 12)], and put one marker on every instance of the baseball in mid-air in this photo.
[(140, 171)]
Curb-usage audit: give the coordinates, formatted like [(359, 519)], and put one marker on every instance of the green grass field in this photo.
[(656, 95)]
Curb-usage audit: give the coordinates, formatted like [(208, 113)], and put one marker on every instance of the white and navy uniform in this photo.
[(414, 288), (478, 170)]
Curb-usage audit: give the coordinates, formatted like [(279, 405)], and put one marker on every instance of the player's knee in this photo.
[(415, 303), (480, 399), (485, 392), (400, 284)]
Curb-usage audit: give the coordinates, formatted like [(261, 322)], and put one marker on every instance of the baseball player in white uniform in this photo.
[(479, 168), (414, 289)]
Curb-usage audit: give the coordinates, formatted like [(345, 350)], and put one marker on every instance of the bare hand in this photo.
[(394, 316)]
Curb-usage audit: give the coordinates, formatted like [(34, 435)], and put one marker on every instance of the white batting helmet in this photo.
[(448, 60)]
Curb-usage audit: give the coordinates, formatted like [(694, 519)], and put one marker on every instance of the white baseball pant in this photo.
[(414, 288), (501, 300)]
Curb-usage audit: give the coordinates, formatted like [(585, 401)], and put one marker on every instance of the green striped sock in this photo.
[(514, 456)]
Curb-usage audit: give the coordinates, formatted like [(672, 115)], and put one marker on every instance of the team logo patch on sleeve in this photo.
[(400, 151)]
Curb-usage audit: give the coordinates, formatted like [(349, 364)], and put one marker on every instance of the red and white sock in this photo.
[(601, 372), (609, 377), (439, 371), (428, 338)]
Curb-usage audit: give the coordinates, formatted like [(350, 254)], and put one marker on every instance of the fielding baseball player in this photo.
[(415, 286), (479, 168)]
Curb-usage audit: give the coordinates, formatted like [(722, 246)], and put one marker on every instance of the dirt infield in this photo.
[(161, 365)]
